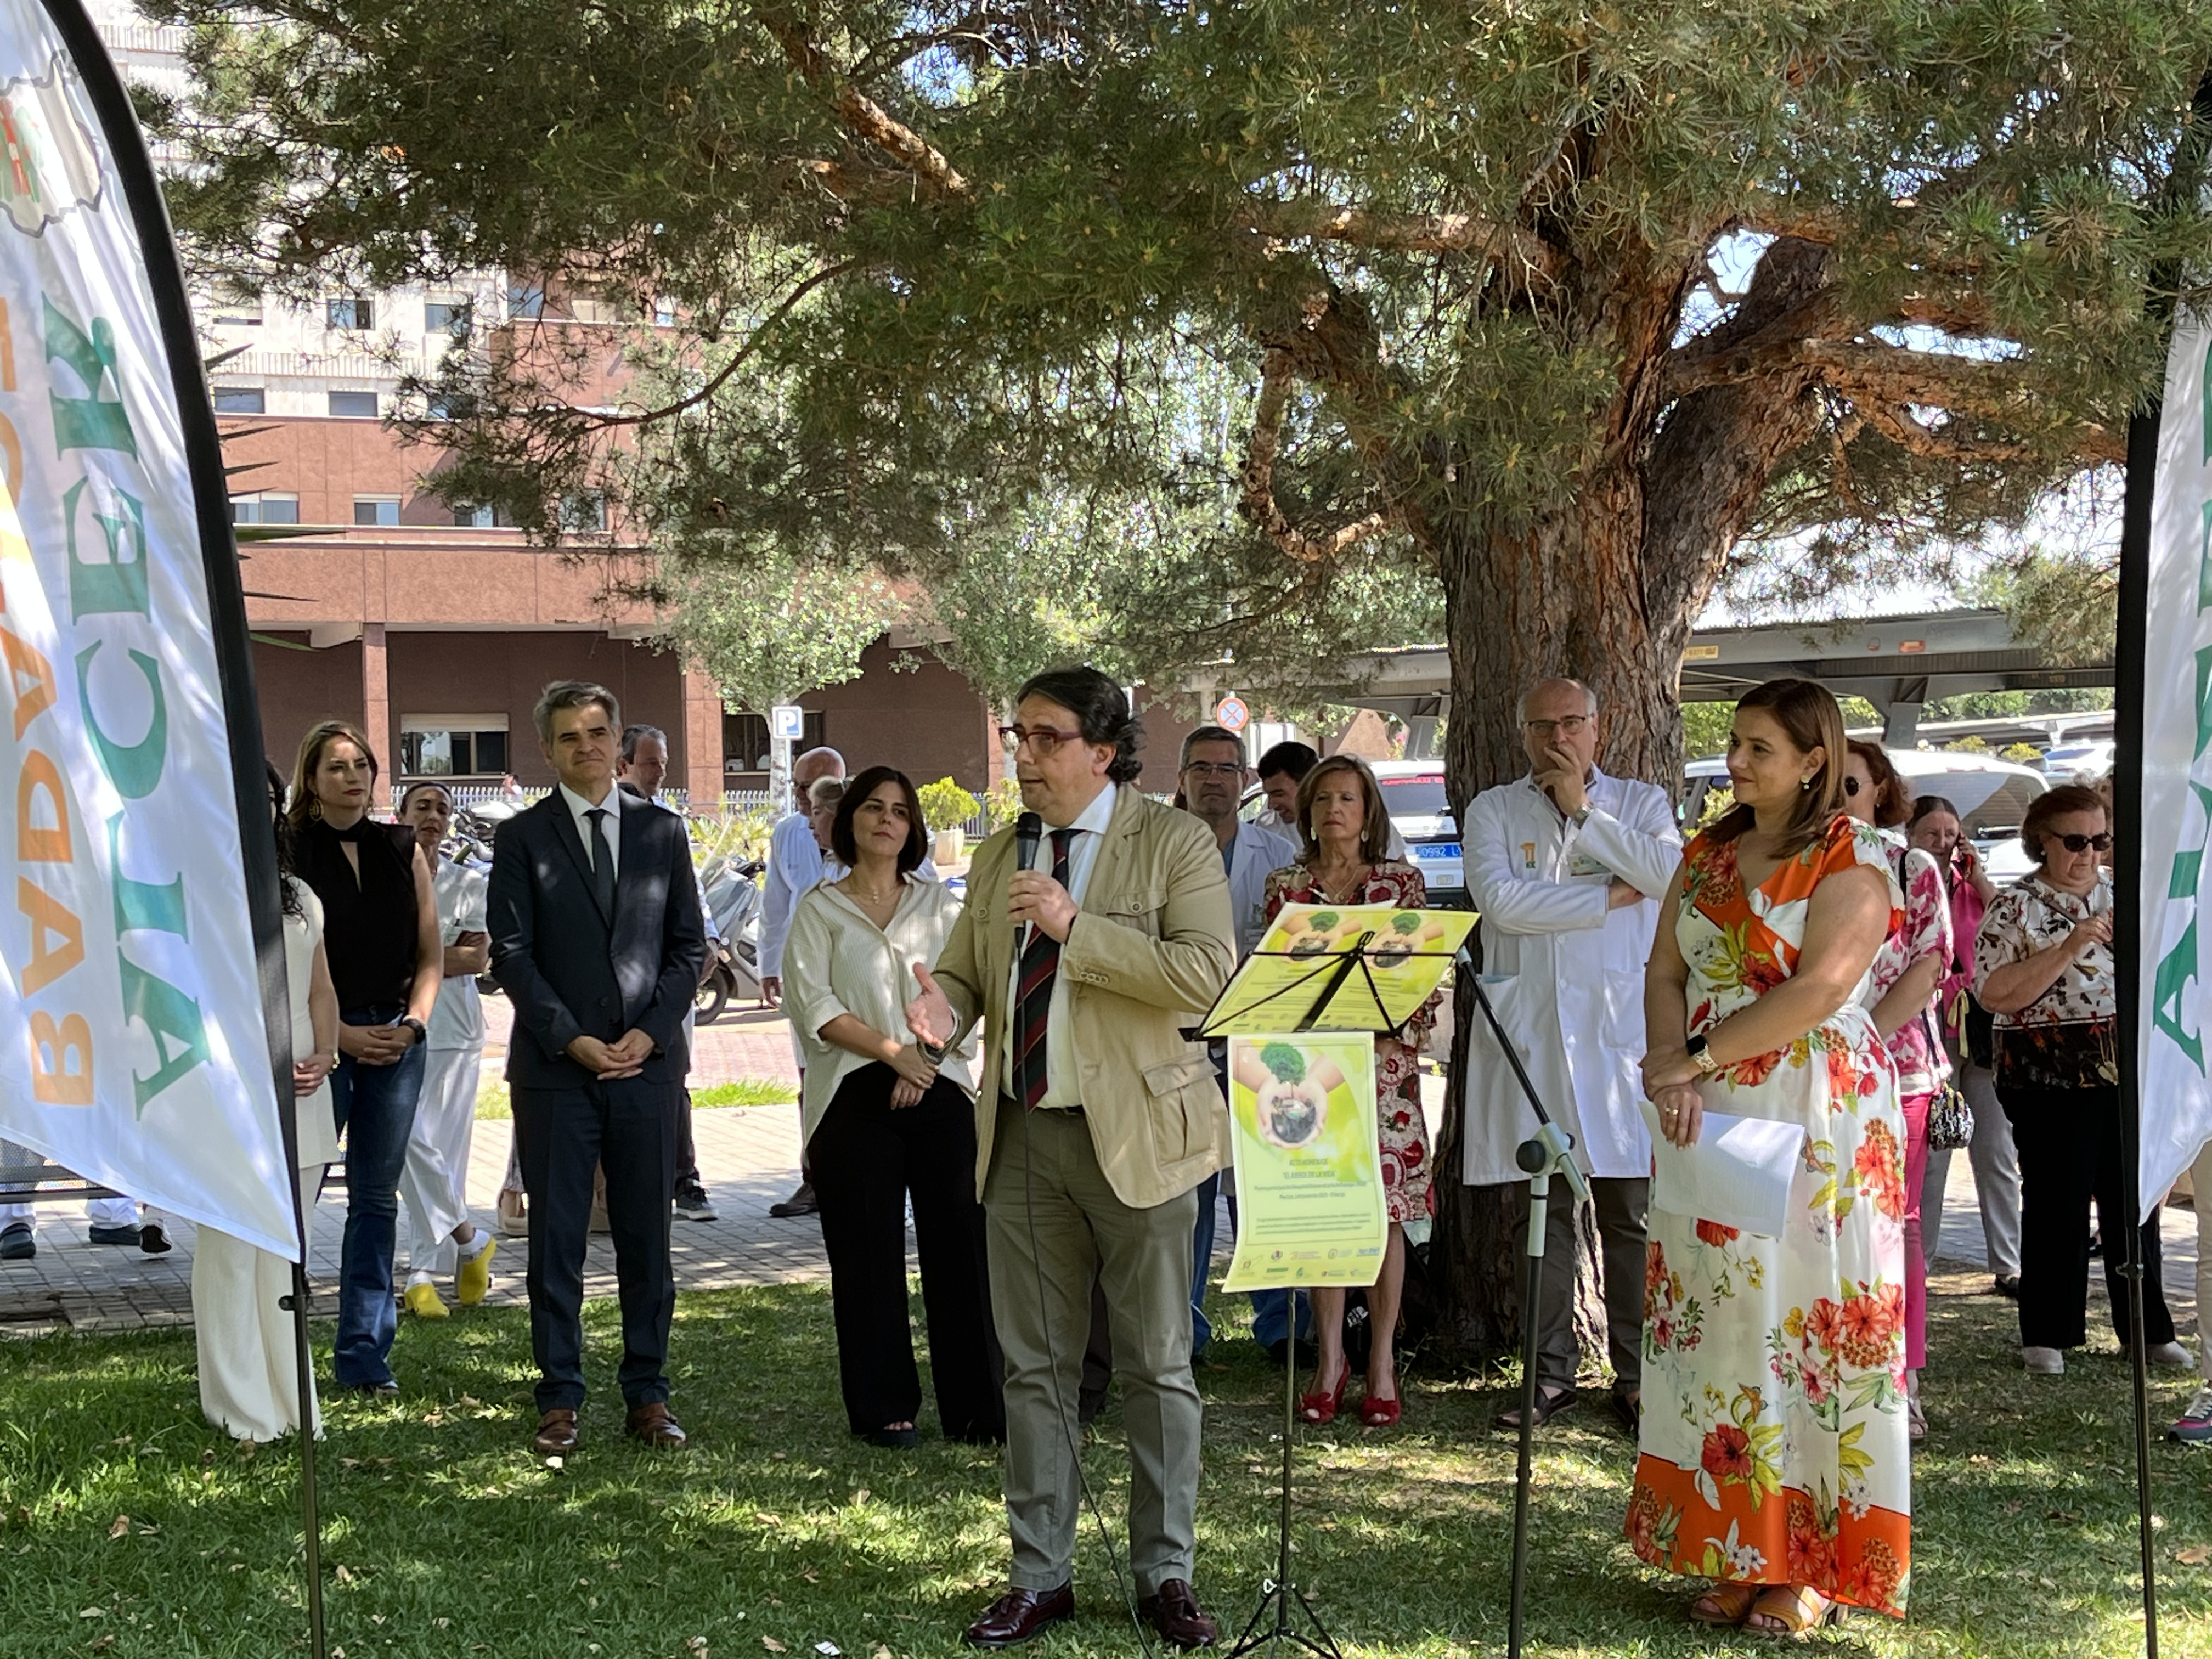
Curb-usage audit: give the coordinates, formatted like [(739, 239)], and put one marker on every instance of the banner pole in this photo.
[(234, 649), (2184, 185)]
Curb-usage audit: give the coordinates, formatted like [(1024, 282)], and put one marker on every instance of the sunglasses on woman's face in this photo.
[(1851, 788), (2101, 841)]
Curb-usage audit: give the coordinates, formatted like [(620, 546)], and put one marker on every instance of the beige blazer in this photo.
[(1150, 950)]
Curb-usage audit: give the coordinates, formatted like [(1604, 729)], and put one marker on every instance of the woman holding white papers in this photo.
[(1774, 1456), (1344, 859)]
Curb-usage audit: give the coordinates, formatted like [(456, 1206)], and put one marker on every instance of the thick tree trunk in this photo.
[(1605, 591), (1565, 599)]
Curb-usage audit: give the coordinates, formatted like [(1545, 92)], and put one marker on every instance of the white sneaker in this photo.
[(2196, 1423), (2042, 1362), (2169, 1353)]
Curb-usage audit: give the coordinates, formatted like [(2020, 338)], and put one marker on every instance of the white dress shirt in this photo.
[(610, 824), (796, 862), (1063, 1085), (842, 964), (1258, 850)]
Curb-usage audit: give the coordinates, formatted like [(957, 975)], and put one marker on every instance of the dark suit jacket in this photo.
[(571, 971)]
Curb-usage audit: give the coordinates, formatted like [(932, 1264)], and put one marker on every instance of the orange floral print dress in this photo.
[(1774, 1448)]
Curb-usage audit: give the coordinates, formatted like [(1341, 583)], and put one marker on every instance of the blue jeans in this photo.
[(1271, 1309), (376, 1109)]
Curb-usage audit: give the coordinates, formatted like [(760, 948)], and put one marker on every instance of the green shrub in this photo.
[(1004, 803), (945, 804)]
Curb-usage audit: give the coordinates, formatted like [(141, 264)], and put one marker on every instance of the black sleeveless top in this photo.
[(369, 924)]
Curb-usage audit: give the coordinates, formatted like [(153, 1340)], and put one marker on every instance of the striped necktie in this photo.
[(1040, 962)]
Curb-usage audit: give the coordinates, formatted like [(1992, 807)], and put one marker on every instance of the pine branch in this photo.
[(866, 120), (1256, 502), (1523, 258)]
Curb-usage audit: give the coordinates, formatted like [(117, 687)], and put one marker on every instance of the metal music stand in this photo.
[(1333, 971), (1543, 1155)]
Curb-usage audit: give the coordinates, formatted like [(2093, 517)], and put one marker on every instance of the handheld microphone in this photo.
[(1028, 830)]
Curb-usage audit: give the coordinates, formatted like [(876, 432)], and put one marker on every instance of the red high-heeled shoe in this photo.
[(1379, 1414), (1319, 1408)]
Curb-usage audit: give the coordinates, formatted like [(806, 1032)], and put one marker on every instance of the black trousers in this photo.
[(628, 1127), (2070, 1152), (866, 1161)]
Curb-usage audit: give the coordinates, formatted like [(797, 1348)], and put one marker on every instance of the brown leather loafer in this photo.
[(1019, 1615), (1173, 1610), (556, 1434), (653, 1425)]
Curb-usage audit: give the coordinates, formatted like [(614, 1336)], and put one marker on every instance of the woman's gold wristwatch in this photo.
[(1701, 1056)]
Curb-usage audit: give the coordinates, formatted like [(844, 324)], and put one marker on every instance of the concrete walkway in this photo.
[(749, 1156)]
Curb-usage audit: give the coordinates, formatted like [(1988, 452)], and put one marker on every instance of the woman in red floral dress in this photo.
[(1774, 1456), (1344, 834)]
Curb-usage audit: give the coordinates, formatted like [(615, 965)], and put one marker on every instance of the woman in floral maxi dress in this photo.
[(1774, 1456)]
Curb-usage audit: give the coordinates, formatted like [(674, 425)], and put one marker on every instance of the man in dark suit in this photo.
[(597, 940)]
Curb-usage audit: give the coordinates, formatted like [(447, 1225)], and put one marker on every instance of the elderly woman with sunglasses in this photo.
[(2043, 966)]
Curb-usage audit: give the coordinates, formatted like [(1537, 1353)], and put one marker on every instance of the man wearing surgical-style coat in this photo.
[(1566, 865)]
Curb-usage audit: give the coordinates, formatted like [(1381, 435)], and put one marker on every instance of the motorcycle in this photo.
[(732, 895)]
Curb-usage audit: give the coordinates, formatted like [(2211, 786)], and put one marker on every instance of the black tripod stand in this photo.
[(1280, 1592), (1544, 1154)]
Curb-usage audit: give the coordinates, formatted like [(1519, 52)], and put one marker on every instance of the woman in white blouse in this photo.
[(885, 1124)]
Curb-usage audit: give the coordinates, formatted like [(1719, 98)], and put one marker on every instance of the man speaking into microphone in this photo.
[(1093, 934)]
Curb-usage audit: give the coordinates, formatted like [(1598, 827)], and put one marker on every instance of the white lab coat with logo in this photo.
[(1566, 973)]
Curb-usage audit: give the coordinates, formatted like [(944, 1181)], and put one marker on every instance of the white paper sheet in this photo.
[(1738, 1173)]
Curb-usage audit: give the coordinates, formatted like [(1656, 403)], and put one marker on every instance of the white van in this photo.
[(1991, 796)]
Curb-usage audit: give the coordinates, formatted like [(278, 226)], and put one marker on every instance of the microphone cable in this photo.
[(1027, 832)]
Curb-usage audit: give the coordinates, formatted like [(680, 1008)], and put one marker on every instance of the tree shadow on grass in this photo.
[(777, 1527)]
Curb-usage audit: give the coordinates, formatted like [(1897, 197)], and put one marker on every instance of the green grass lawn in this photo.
[(777, 1532), (493, 1103)]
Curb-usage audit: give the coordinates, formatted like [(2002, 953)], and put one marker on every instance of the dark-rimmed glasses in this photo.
[(1041, 739), (1216, 769)]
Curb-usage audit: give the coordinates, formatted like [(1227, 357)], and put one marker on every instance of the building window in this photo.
[(265, 507), (664, 313), (376, 510), (452, 745), (240, 400), (353, 405), (745, 741), (239, 312), (586, 510), (474, 518), (451, 316), (525, 301), (354, 312)]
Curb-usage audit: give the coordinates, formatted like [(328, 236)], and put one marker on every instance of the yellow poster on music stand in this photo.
[(1308, 1170), (1340, 968)]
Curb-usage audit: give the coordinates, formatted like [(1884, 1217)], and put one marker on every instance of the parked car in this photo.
[(1420, 811), (1991, 795), (2066, 762)]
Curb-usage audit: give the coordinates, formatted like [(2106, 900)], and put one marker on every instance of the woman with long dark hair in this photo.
[(887, 1125), (1775, 1457), (386, 951)]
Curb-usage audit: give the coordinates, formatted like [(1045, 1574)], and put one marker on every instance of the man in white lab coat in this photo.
[(1565, 866)]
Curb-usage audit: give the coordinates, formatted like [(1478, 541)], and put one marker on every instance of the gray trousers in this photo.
[(1620, 1206), (1054, 1226), (1997, 1175)]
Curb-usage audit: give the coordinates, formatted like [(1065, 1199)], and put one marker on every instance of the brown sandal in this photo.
[(1729, 1604), (1797, 1609)]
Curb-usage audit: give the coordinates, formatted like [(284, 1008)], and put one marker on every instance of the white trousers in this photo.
[(433, 1183), (248, 1358), (99, 1211)]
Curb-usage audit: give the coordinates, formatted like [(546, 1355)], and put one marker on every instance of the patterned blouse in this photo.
[(2065, 1039), (1915, 1048)]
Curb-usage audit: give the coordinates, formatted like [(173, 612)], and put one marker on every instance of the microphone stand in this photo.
[(1543, 1155)]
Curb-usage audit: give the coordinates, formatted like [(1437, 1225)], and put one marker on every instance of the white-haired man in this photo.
[(1566, 864)]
